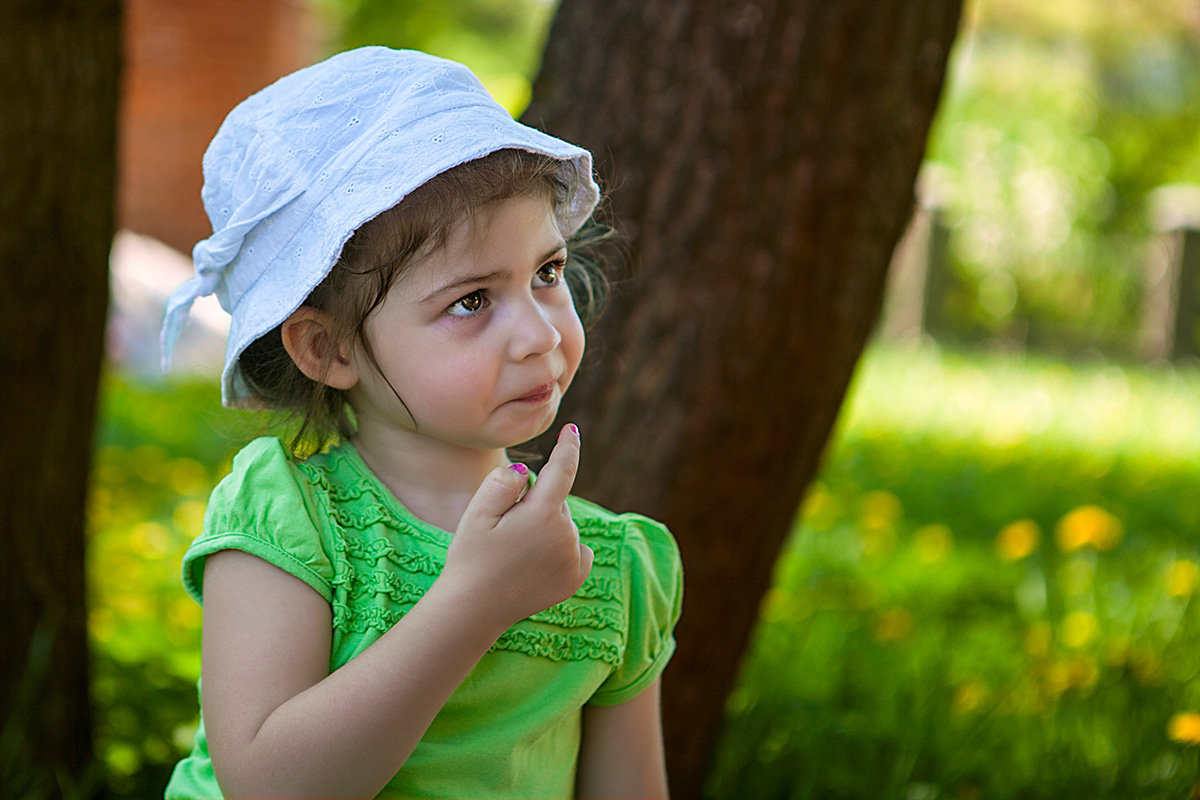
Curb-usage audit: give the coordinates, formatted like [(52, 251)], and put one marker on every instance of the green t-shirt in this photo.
[(511, 729)]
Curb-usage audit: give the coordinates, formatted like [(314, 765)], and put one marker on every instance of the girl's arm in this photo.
[(621, 755), (279, 724)]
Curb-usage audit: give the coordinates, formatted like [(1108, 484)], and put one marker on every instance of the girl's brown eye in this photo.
[(467, 305), (551, 273)]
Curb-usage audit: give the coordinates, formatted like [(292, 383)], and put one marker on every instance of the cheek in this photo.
[(573, 341), (450, 377)]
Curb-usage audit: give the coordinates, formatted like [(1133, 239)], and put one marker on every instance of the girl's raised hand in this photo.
[(519, 556)]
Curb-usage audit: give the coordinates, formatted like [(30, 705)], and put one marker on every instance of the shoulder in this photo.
[(268, 507), (265, 470), (263, 461), (644, 554), (597, 520), (643, 547), (264, 477)]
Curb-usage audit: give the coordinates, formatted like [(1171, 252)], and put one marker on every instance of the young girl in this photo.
[(405, 612)]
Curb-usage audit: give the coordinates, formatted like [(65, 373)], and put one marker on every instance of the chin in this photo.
[(530, 432)]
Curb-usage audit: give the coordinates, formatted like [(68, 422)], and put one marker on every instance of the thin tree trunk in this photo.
[(760, 157), (59, 64)]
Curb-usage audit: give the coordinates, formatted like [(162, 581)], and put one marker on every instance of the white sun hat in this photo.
[(295, 169)]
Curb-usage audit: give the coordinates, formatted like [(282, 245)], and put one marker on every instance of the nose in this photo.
[(534, 332)]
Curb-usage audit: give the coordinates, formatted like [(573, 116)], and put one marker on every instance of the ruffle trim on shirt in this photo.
[(377, 578), (558, 646), (410, 561)]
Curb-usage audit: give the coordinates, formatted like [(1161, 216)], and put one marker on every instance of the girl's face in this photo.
[(480, 338)]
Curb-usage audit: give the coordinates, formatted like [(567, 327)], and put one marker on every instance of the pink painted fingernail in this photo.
[(520, 469), (574, 430)]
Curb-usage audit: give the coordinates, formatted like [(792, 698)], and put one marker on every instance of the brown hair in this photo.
[(380, 252)]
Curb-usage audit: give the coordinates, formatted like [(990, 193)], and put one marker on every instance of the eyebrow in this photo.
[(485, 277)]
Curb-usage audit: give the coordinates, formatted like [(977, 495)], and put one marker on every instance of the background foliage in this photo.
[(1059, 121), (989, 593), (500, 40)]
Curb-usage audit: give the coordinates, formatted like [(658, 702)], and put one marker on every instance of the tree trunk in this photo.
[(760, 157), (59, 64)]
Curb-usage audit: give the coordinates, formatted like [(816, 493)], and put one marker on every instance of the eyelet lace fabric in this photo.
[(297, 167)]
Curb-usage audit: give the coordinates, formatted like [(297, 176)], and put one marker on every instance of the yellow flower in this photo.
[(188, 477), (969, 697), (893, 624), (880, 509), (1088, 525), (1018, 539), (1057, 678), (1079, 628), (184, 615), (1184, 728), (933, 542), (150, 540), (1038, 639), (1183, 576), (188, 517)]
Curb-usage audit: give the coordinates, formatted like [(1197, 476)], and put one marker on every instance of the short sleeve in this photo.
[(654, 576), (266, 508)]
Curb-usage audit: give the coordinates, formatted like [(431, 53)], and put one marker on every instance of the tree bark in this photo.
[(760, 158), (59, 65)]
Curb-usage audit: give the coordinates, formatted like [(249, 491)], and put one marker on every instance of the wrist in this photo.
[(462, 602)]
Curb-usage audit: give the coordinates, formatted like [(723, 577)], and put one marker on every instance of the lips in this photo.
[(539, 394)]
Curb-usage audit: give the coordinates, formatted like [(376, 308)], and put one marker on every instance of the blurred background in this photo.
[(990, 588)]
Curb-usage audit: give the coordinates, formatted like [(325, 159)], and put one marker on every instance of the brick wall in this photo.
[(187, 63)]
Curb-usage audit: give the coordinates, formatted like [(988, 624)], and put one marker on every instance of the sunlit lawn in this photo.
[(990, 593)]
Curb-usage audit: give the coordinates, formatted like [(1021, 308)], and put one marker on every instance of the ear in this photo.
[(308, 337)]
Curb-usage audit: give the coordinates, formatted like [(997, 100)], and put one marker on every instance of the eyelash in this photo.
[(479, 296), (557, 267)]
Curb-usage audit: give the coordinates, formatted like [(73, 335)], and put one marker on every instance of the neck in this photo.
[(433, 480)]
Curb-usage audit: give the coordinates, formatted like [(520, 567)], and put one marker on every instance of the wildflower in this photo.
[(1183, 576), (1057, 678), (1184, 728), (969, 697), (187, 476), (893, 624), (1088, 525), (150, 540), (933, 542), (1038, 639), (1079, 628), (880, 509), (184, 615), (188, 517), (1018, 539)]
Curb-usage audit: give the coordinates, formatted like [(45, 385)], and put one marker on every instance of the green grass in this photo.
[(917, 644), (909, 648)]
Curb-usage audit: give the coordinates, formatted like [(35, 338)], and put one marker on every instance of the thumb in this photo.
[(498, 493), (586, 557)]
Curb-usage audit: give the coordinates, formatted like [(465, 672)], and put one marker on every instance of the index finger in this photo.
[(558, 476)]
